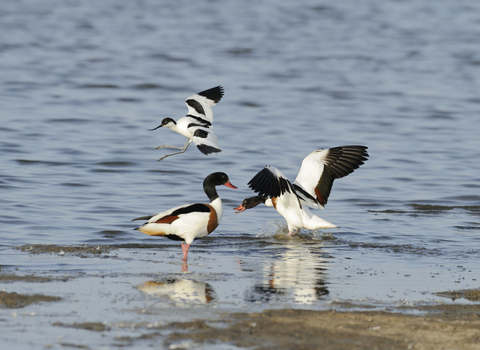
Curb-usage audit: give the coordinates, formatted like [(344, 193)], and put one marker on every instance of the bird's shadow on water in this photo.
[(267, 270), (291, 270), (179, 290)]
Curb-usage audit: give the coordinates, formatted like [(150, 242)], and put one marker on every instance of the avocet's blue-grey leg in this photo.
[(167, 146), (187, 143)]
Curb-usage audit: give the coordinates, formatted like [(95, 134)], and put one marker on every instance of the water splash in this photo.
[(273, 228)]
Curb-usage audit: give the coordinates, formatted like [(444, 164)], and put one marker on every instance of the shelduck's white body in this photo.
[(297, 217), (187, 222)]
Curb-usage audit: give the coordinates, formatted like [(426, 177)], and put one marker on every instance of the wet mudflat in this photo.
[(144, 296), (15, 300), (306, 329)]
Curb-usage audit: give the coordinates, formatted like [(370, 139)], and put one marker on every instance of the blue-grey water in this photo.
[(82, 81)]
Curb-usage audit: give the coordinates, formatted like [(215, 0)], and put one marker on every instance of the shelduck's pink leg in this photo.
[(293, 233), (185, 248)]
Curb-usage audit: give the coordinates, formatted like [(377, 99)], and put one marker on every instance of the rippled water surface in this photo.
[(81, 82)]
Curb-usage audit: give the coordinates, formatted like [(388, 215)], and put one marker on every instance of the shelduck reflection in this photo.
[(297, 275), (181, 291)]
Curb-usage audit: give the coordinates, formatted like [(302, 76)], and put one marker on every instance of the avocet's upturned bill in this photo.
[(191, 221), (197, 124), (311, 188)]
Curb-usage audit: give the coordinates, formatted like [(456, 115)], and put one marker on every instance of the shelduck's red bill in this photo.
[(239, 209), (228, 184)]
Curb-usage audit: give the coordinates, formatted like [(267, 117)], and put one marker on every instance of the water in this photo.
[(81, 82)]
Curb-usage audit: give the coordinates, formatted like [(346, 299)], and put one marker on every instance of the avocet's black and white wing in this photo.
[(321, 167), (205, 140), (200, 104)]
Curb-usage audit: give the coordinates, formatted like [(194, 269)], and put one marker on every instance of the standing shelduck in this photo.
[(191, 221), (197, 124), (310, 189)]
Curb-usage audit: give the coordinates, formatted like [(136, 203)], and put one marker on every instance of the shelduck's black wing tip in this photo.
[(269, 182), (344, 160)]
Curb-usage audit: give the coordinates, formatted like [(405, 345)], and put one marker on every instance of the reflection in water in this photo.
[(298, 276), (179, 290)]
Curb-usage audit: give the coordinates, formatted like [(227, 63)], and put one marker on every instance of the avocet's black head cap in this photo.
[(165, 122)]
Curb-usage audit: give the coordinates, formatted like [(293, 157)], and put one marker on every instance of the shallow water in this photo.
[(80, 84)]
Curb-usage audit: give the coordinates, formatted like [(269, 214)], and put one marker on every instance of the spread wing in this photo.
[(270, 182), (205, 140), (321, 167), (200, 105)]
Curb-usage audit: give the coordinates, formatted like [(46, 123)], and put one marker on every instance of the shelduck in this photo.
[(311, 188), (191, 221)]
